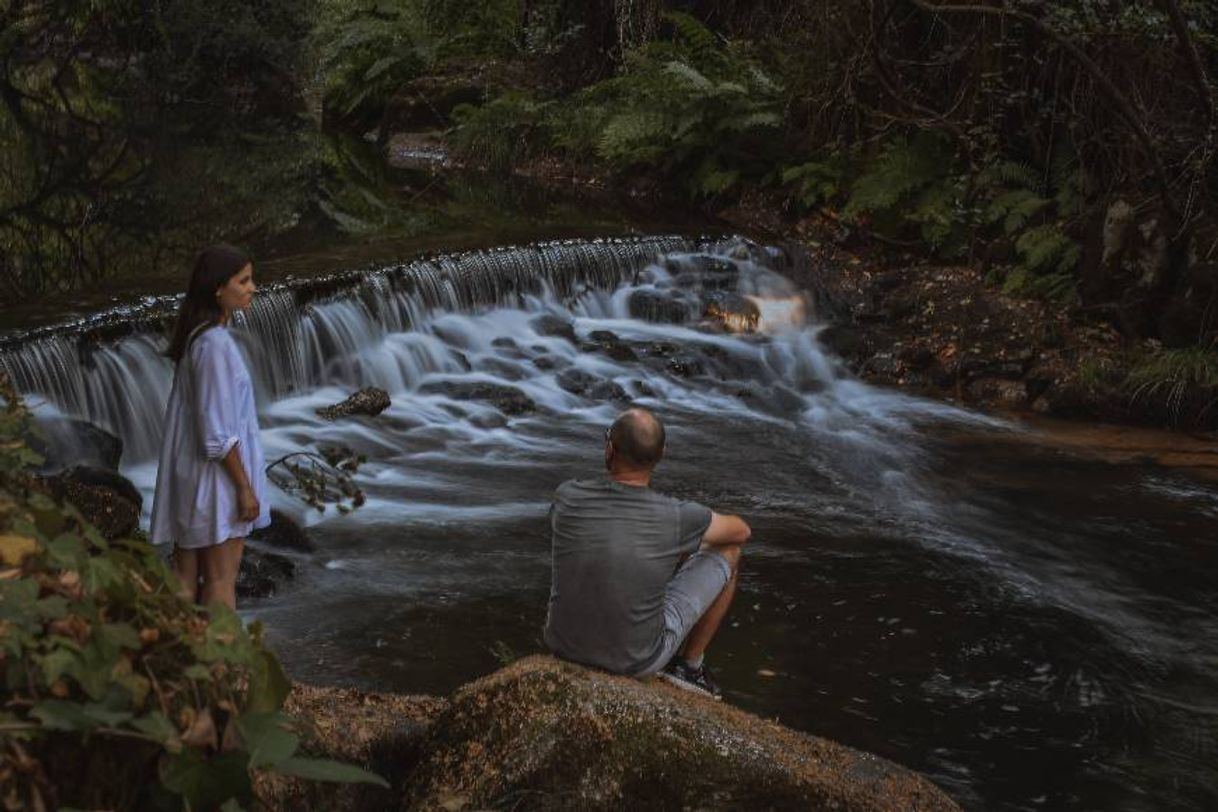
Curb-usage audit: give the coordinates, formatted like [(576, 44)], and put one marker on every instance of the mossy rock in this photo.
[(544, 734), (379, 731)]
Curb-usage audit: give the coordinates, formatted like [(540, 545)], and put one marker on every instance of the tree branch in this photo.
[(1123, 106)]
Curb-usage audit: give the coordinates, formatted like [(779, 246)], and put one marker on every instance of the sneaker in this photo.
[(679, 673)]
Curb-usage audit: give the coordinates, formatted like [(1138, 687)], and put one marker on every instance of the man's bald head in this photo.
[(638, 438)]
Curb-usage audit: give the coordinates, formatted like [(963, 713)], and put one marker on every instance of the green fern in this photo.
[(502, 132), (903, 166), (1048, 249), (700, 41), (1014, 208)]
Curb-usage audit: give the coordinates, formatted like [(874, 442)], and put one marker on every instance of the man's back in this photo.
[(615, 548)]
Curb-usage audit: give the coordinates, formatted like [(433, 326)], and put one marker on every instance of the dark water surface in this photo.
[(1038, 633), (1032, 627)]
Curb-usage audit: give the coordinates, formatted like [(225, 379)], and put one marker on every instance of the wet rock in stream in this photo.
[(507, 399), (369, 401), (579, 382)]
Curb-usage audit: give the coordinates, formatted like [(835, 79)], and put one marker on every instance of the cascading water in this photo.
[(1010, 621)]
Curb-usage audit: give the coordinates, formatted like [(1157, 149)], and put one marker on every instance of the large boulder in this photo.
[(378, 731), (368, 401), (105, 498), (66, 441), (565, 737), (1126, 264)]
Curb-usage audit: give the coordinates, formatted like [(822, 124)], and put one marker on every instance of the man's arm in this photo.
[(726, 529)]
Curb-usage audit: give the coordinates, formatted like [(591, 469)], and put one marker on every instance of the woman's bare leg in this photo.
[(186, 567), (220, 565)]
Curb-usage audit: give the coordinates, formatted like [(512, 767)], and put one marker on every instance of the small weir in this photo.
[(1034, 630)]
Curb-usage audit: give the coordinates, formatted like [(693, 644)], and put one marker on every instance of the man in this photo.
[(641, 581)]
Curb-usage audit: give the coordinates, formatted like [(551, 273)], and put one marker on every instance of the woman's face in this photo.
[(238, 292)]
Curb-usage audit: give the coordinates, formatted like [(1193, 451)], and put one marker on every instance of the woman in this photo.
[(211, 482)]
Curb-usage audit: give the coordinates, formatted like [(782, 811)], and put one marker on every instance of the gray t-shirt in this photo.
[(615, 548)]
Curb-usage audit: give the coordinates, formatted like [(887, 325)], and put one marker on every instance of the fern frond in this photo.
[(691, 75), (699, 39)]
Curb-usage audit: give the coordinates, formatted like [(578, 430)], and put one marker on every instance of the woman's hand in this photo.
[(247, 505)]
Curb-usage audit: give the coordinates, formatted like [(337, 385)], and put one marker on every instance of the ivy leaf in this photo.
[(269, 685), (58, 714), (320, 769), (157, 726), (266, 740), (208, 783), (14, 549)]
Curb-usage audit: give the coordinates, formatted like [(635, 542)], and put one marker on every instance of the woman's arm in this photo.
[(247, 503)]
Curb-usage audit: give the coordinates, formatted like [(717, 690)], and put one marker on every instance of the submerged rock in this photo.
[(608, 343), (283, 532), (262, 572), (368, 401), (655, 306), (551, 325), (567, 737), (736, 313), (507, 399), (579, 382)]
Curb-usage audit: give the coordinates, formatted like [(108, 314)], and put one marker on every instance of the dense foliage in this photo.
[(993, 131), (119, 694), (129, 132)]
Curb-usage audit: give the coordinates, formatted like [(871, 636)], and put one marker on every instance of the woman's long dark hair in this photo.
[(215, 266)]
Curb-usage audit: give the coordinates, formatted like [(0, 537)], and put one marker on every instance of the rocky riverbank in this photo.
[(543, 734)]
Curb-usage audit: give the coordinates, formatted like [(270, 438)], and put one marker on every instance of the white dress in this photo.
[(211, 409)]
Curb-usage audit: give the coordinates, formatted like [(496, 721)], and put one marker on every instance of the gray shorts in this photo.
[(690, 593)]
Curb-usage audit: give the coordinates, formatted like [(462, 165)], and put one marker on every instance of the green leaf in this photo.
[(100, 573), (66, 551), (58, 662), (265, 738), (156, 726), (208, 783), (196, 672), (122, 635), (317, 769), (269, 685), (58, 714)]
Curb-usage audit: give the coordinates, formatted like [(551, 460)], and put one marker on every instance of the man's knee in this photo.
[(731, 552)]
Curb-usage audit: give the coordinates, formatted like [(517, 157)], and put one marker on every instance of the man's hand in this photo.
[(726, 529)]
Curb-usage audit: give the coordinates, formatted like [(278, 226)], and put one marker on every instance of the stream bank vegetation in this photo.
[(118, 693), (1065, 148)]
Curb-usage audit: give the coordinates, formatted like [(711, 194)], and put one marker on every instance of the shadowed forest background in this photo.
[(1066, 149)]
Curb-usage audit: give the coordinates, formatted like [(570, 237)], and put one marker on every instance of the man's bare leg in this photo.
[(704, 630)]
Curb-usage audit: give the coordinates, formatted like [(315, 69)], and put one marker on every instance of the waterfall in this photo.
[(109, 369)]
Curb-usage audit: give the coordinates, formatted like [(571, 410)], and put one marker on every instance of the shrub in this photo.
[(118, 693), (1180, 384)]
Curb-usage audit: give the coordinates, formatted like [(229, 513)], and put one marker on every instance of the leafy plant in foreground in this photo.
[(117, 692)]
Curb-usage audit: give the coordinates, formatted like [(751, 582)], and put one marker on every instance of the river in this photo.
[(1032, 625)]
